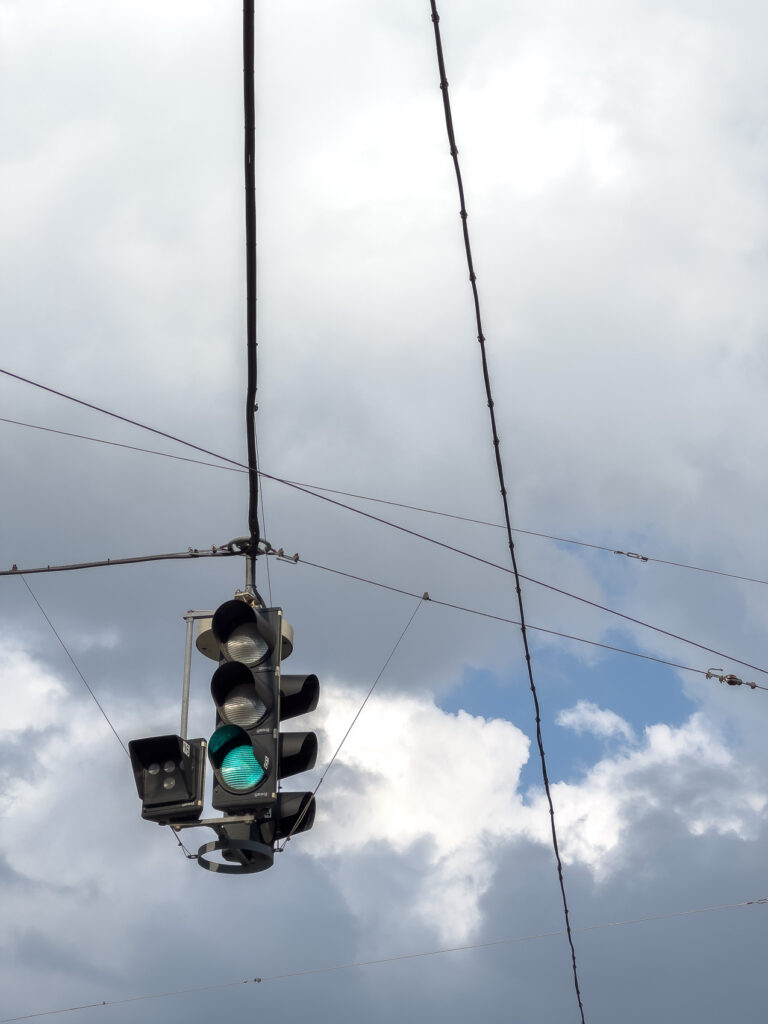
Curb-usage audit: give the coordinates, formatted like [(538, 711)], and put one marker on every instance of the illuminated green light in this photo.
[(240, 770), (233, 757)]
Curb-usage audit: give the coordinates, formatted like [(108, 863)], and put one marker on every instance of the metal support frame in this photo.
[(189, 618)]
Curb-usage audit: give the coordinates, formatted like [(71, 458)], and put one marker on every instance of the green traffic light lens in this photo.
[(240, 771), (234, 760)]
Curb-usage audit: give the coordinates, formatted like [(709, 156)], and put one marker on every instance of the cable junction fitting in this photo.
[(729, 678)]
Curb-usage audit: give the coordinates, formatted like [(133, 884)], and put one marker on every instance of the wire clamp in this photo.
[(632, 554), (241, 544), (730, 679), (282, 557)]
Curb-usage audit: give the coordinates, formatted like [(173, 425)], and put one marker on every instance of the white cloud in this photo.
[(436, 787), (687, 772), (443, 791), (588, 717), (31, 695)]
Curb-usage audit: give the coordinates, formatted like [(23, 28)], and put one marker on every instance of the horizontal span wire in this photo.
[(382, 961)]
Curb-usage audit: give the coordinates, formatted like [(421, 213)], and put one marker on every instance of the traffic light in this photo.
[(248, 753), (170, 774)]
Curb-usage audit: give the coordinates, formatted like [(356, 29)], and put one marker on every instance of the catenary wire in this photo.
[(99, 705), (396, 526), (522, 576), (500, 473), (709, 673), (226, 552), (351, 725), (310, 488), (382, 961)]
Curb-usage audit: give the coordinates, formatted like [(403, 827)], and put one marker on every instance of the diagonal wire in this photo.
[(500, 472), (380, 961), (229, 552), (395, 526), (75, 665), (351, 725), (311, 488), (185, 851), (709, 673)]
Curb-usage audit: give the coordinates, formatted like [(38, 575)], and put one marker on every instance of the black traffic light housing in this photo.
[(170, 775), (248, 753)]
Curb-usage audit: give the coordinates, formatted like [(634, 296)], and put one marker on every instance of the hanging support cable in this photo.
[(249, 102)]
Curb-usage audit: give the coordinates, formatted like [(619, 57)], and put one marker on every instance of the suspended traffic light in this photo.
[(247, 751), (170, 774)]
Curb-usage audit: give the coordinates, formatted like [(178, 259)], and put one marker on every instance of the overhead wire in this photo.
[(123, 419), (383, 961), (88, 687), (300, 818), (75, 666), (402, 529), (227, 551), (522, 576), (709, 673), (310, 488), (438, 543), (224, 552)]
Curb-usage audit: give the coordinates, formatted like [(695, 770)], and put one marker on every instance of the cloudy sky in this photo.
[(615, 160)]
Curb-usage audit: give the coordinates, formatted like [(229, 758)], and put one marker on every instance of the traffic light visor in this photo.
[(242, 634), (241, 698)]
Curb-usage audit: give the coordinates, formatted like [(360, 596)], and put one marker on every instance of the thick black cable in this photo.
[(500, 472), (249, 161), (311, 488), (381, 961), (386, 522)]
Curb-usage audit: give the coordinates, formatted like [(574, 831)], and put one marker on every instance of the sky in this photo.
[(615, 160)]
